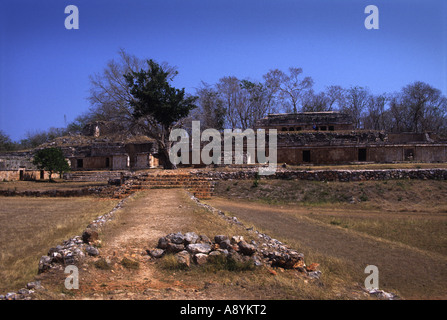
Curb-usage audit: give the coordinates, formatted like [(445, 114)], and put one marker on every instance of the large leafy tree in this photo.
[(157, 106), (51, 160)]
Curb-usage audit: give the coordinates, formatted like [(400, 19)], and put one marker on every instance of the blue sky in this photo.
[(45, 68)]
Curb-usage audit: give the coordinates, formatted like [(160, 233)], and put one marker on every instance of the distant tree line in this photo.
[(132, 91), (234, 103)]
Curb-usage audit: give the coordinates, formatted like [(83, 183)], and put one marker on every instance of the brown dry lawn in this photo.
[(29, 226), (399, 226), (44, 185)]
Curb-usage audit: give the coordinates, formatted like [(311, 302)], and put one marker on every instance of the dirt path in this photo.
[(143, 219), (413, 273)]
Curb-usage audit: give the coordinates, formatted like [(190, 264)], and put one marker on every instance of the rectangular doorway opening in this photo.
[(362, 154), (306, 155)]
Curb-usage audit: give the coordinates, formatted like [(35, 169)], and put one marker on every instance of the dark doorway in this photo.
[(21, 176), (107, 162), (306, 155), (362, 154), (80, 163), (331, 128), (409, 154), (42, 174)]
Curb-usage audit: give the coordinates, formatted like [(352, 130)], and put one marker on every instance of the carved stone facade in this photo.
[(306, 121)]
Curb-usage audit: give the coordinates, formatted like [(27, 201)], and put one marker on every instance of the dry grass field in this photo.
[(399, 225), (30, 226), (44, 185)]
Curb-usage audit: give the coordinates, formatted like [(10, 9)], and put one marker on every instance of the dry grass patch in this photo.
[(390, 195), (30, 226), (44, 185), (398, 225)]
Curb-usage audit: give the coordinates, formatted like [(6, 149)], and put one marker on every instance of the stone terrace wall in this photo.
[(330, 175)]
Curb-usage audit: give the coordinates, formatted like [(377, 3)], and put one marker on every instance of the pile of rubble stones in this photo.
[(190, 247)]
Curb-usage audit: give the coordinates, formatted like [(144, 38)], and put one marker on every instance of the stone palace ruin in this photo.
[(302, 139)]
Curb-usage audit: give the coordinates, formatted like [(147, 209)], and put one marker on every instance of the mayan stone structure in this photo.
[(320, 121), (330, 138)]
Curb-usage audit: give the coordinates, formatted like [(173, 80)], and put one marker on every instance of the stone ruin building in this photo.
[(330, 138), (303, 139), (98, 148), (103, 150), (305, 121)]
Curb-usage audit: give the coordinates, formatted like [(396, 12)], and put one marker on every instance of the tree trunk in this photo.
[(163, 152)]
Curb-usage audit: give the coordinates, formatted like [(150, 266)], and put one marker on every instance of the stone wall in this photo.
[(379, 153), (329, 175), (22, 174)]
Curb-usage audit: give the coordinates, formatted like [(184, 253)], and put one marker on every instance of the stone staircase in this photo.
[(200, 187), (86, 176)]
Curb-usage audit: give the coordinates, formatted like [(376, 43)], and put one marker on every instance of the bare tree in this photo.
[(315, 102), (110, 95), (355, 102), (425, 106), (210, 111), (290, 87), (336, 96), (230, 93), (375, 113)]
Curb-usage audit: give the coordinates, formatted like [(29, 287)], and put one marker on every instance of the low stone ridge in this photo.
[(190, 247)]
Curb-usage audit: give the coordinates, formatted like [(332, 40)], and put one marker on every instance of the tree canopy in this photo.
[(158, 106), (51, 160)]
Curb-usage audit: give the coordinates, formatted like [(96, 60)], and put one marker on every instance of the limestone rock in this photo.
[(156, 253), (163, 243), (200, 258), (246, 249), (174, 247), (44, 264), (176, 238), (199, 248), (225, 244), (236, 239), (190, 237), (183, 258), (219, 238), (92, 251)]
